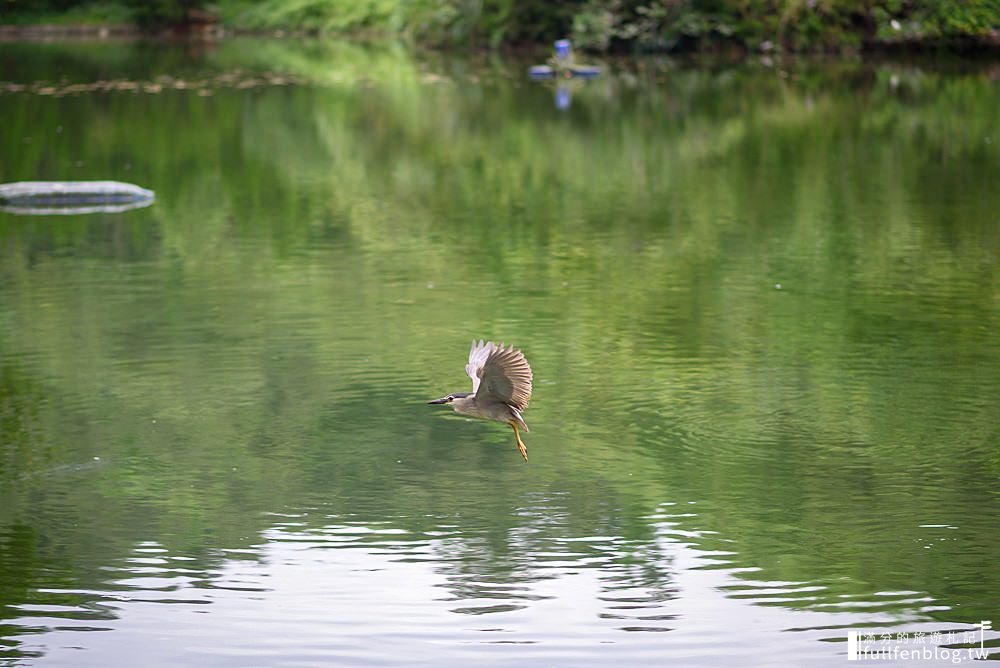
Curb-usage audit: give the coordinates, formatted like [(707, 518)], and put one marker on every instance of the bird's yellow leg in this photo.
[(520, 443)]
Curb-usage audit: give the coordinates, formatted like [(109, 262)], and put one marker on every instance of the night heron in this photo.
[(501, 387)]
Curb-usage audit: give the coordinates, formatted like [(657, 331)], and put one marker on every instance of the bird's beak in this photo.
[(442, 400)]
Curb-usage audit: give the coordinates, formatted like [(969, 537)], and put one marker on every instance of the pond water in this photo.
[(761, 302)]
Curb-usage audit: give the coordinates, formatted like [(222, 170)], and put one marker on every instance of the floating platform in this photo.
[(72, 197), (548, 72)]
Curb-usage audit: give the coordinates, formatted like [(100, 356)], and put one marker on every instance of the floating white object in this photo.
[(72, 197)]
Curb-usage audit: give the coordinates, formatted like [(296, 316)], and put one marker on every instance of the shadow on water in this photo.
[(760, 304)]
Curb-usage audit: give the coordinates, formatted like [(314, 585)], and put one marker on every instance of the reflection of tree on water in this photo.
[(564, 96)]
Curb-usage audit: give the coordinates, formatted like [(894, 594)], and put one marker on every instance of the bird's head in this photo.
[(450, 398)]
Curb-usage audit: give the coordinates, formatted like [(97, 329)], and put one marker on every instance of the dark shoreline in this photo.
[(59, 30), (973, 48)]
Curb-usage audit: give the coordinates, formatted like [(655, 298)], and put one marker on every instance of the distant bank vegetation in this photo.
[(596, 25)]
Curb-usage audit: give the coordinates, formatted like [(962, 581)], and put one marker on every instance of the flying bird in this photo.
[(501, 388)]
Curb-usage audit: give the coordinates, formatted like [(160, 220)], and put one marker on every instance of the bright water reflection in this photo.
[(761, 309)]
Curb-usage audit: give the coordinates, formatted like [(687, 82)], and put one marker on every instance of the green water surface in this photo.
[(761, 302)]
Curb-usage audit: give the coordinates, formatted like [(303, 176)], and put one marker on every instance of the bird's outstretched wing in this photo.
[(477, 360), (499, 373)]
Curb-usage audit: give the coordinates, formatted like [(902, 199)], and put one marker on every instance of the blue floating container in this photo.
[(562, 65), (585, 71), (541, 72)]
